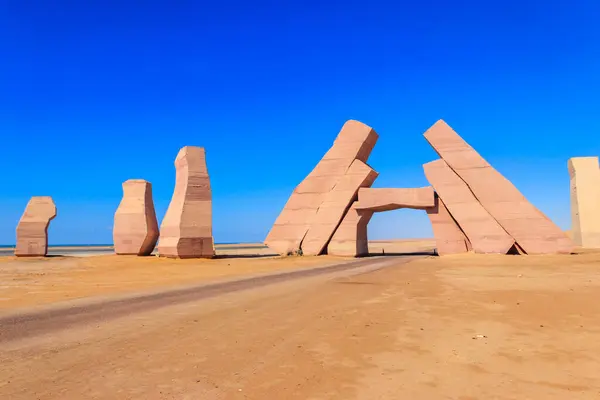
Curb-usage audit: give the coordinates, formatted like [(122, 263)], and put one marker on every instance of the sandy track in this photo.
[(28, 324), (456, 328)]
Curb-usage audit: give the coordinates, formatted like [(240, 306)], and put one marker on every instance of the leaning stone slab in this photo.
[(135, 229), (355, 141), (350, 239), (533, 232), (334, 207), (482, 230), (585, 201), (186, 230), (449, 238), (32, 230)]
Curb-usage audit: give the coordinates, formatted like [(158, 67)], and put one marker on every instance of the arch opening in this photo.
[(399, 232)]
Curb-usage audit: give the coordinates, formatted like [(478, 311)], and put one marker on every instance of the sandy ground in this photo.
[(458, 327), (28, 282), (97, 250), (404, 246)]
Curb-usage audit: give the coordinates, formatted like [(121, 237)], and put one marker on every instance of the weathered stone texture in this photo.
[(482, 230), (449, 238), (334, 207), (350, 238), (135, 228), (186, 230), (319, 202), (530, 228), (585, 201), (32, 230), (384, 199)]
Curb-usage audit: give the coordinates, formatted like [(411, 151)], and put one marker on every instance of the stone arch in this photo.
[(351, 239)]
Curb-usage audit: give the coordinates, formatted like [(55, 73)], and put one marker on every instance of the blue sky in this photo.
[(97, 92)]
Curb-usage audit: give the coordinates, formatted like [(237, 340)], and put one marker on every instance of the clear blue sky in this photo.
[(97, 92)]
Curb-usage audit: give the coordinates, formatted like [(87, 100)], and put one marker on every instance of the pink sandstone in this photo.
[(334, 207), (531, 229), (136, 229), (186, 230), (482, 230), (315, 205), (376, 199), (32, 230), (350, 238), (449, 238), (585, 201)]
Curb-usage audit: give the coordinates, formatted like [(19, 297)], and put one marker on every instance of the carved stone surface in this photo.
[(531, 229), (136, 229), (376, 199), (32, 230), (333, 208), (350, 238), (482, 230), (585, 201), (448, 236), (186, 230), (319, 202)]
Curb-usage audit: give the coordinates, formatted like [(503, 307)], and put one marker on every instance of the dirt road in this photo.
[(22, 325), (462, 328)]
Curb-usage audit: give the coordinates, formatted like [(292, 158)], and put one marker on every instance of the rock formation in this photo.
[(585, 201), (334, 206), (377, 200), (350, 238), (319, 202), (474, 207), (136, 229), (186, 230), (449, 238), (533, 232), (32, 230), (482, 230)]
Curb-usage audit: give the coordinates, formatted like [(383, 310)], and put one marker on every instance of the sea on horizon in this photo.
[(12, 246)]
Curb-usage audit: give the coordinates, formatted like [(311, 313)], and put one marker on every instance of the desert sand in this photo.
[(39, 281), (455, 327)]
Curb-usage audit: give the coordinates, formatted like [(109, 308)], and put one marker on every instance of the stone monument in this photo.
[(473, 208), (350, 238), (32, 230), (186, 230), (533, 232), (482, 230), (585, 201), (449, 238), (135, 229), (318, 204)]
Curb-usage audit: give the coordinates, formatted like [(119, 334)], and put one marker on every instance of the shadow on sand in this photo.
[(219, 256), (405, 254)]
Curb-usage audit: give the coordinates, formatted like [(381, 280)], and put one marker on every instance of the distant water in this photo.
[(12, 246)]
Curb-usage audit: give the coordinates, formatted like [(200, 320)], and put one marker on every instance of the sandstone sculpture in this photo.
[(32, 230), (377, 200), (533, 232), (585, 201), (473, 208), (350, 238), (482, 230), (449, 238), (136, 229), (186, 230), (319, 202), (334, 206)]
